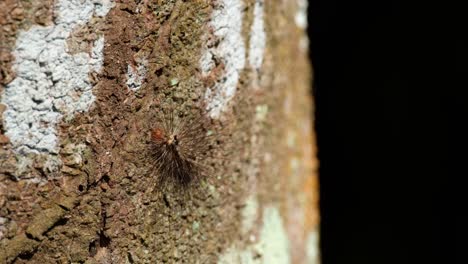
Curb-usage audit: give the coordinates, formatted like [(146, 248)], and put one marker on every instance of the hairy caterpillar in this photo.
[(178, 147)]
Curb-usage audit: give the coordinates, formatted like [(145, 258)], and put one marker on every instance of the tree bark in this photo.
[(83, 83)]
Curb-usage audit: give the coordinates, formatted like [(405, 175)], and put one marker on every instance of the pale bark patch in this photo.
[(50, 82), (272, 246), (257, 37), (301, 15), (226, 24)]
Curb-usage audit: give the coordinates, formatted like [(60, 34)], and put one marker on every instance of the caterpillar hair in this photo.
[(178, 147)]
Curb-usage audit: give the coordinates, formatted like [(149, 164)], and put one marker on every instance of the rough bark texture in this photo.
[(82, 84)]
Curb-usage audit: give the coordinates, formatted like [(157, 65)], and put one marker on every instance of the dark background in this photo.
[(391, 132)]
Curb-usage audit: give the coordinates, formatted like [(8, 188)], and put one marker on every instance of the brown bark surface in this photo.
[(103, 203)]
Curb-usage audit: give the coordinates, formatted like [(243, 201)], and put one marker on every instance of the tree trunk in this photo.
[(85, 88)]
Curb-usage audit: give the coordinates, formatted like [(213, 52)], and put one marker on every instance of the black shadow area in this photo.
[(391, 134)]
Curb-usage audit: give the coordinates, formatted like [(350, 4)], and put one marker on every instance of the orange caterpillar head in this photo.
[(158, 135)]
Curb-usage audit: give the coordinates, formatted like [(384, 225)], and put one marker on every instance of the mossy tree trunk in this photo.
[(83, 82)]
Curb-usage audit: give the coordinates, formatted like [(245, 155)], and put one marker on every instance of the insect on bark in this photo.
[(178, 147)]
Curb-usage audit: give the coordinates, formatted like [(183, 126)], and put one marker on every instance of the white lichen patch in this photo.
[(257, 37), (232, 255), (312, 248), (273, 244), (272, 247), (249, 213), (301, 15), (3, 227), (50, 82), (261, 112), (226, 23), (136, 76)]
